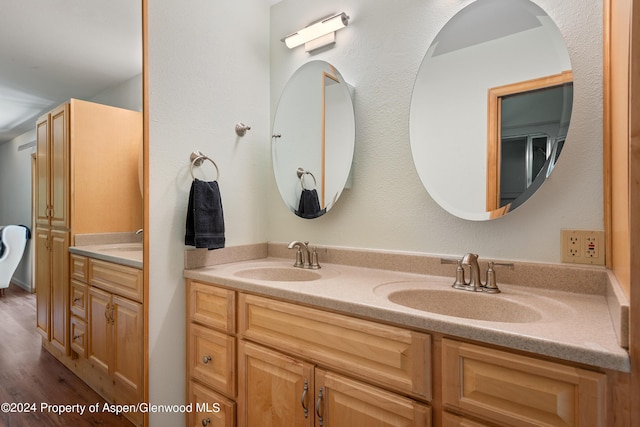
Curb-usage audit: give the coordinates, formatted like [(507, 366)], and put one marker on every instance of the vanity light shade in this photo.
[(318, 34)]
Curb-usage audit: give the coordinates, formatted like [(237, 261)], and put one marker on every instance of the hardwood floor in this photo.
[(30, 375)]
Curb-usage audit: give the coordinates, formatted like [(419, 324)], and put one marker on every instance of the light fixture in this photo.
[(318, 34)]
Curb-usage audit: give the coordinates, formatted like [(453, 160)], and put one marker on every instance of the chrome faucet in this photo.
[(475, 283), (305, 258)]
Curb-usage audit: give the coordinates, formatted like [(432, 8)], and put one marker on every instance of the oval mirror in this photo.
[(490, 108), (313, 139)]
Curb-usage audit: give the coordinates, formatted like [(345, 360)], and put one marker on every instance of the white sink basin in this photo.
[(469, 305), (278, 274), (435, 295)]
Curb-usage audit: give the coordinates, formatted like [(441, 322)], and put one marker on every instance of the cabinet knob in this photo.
[(206, 421), (206, 359)]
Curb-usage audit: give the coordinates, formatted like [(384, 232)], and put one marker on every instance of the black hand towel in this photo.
[(205, 220), (309, 206)]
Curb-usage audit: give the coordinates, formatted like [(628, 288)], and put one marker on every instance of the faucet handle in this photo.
[(314, 259), (491, 286), (460, 282)]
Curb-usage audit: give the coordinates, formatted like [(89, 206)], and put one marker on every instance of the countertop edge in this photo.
[(78, 250)]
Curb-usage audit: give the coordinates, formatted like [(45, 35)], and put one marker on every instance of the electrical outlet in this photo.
[(583, 246), (593, 245), (571, 245)]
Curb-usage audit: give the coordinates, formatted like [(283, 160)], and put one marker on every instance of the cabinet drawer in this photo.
[(116, 278), (385, 355), (78, 336), (518, 390), (212, 359), (209, 408), (78, 303), (79, 267), (212, 306)]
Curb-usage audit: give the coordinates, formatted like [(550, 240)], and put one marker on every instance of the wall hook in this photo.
[(241, 129)]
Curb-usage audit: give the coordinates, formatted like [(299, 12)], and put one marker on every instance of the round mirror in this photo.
[(490, 108), (313, 139)]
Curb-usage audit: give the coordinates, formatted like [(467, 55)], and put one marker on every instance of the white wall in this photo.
[(15, 195), (388, 208), (127, 94), (209, 69)]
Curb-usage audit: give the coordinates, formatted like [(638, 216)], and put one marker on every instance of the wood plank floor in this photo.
[(29, 374)]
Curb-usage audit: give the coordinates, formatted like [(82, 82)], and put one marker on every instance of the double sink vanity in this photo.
[(372, 336)]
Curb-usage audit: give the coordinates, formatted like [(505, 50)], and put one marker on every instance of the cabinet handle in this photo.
[(303, 399), (76, 299), (206, 421), (106, 313), (319, 407), (206, 359), (75, 337), (111, 316)]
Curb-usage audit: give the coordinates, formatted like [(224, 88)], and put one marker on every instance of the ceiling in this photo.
[(53, 50)]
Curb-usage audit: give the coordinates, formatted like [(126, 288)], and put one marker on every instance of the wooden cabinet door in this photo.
[(99, 342), (128, 345), (211, 306), (212, 359), (341, 401), (43, 282), (78, 334), (209, 408), (60, 290), (42, 171), (512, 389), (78, 299), (59, 164), (274, 390)]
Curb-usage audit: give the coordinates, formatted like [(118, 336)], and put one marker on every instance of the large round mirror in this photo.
[(313, 139), (490, 108)]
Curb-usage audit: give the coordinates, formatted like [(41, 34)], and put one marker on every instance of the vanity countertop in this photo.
[(576, 327), (129, 254)]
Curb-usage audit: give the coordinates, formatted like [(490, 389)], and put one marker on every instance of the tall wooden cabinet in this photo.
[(86, 181), (86, 164)]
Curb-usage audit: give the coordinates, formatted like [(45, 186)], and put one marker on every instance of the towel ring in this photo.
[(196, 160), (301, 174)]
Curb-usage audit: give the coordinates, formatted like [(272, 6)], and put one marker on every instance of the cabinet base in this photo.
[(97, 380)]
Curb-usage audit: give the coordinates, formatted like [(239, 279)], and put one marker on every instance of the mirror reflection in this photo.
[(491, 107), (313, 139)]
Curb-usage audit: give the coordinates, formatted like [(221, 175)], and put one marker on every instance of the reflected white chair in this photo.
[(13, 239)]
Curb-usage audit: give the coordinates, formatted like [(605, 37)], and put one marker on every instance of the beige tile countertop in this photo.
[(569, 325)]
